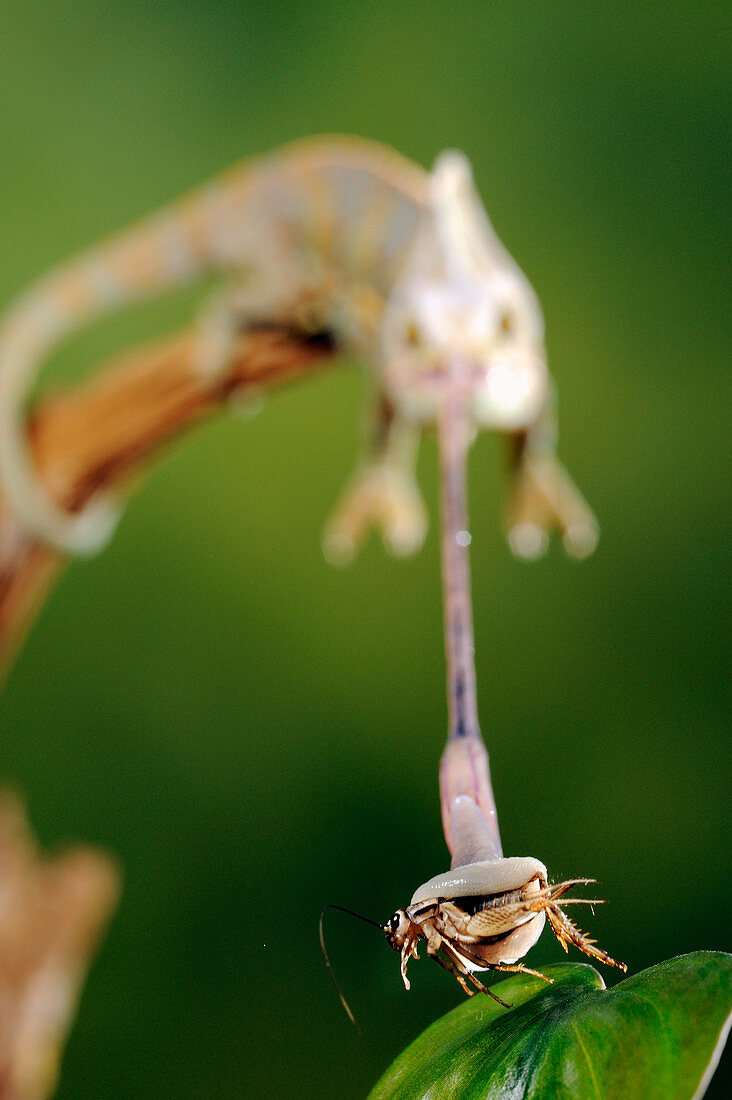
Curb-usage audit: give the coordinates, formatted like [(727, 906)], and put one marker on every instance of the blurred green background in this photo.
[(254, 733)]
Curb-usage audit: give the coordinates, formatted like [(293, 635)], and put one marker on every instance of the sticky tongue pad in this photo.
[(492, 876)]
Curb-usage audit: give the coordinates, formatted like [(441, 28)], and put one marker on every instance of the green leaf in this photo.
[(657, 1034)]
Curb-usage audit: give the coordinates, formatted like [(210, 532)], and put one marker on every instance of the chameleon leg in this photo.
[(543, 496), (220, 320), (264, 297), (382, 493)]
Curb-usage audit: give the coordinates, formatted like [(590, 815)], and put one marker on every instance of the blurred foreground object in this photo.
[(52, 913)]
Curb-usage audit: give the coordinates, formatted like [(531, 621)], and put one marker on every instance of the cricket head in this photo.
[(463, 314), (397, 929)]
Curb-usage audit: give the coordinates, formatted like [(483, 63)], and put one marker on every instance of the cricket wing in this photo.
[(499, 919)]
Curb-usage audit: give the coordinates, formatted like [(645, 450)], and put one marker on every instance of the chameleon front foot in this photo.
[(546, 499), (385, 498)]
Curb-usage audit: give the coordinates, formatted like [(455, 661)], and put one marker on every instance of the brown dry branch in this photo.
[(98, 436), (52, 913)]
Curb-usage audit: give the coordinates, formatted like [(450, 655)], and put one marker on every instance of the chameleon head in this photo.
[(462, 310)]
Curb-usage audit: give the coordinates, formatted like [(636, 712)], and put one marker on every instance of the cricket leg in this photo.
[(409, 951), (451, 969), (543, 497), (556, 890), (457, 967), (519, 968), (567, 932), (383, 493), (512, 968)]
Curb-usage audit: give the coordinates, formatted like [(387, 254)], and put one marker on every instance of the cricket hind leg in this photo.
[(382, 493), (543, 497), (519, 968), (567, 932)]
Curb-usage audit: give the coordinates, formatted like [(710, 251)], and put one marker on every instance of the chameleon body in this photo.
[(400, 265)]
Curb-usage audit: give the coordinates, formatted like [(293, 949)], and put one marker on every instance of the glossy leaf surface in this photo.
[(657, 1034)]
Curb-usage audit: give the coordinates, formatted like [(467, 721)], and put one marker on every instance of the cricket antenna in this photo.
[(366, 920)]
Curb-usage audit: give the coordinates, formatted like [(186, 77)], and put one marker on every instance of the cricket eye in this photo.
[(395, 922), (507, 322)]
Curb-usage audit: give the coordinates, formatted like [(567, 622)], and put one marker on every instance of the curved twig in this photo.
[(99, 435)]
